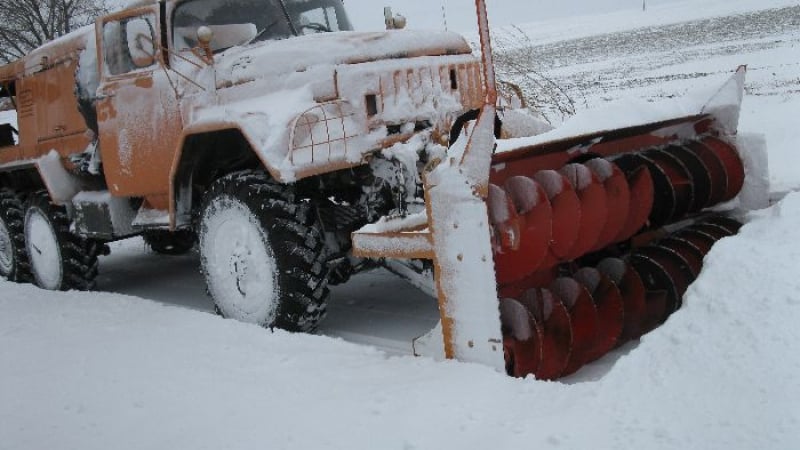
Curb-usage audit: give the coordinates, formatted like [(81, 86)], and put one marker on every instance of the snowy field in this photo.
[(144, 365), (668, 60)]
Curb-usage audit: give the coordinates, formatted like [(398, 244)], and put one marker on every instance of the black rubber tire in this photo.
[(13, 218), (295, 239), (170, 243), (77, 255)]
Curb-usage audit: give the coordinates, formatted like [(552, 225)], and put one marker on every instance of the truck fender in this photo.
[(185, 161)]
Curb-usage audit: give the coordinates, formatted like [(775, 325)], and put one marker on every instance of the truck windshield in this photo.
[(317, 16), (238, 22)]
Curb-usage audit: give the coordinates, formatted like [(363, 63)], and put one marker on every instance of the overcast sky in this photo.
[(368, 14)]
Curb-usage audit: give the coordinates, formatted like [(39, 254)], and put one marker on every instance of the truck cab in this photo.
[(128, 126), (288, 79)]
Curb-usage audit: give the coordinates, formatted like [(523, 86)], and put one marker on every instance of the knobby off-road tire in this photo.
[(59, 259), (14, 265), (169, 243), (262, 253)]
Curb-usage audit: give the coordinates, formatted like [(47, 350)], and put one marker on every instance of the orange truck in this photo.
[(294, 152)]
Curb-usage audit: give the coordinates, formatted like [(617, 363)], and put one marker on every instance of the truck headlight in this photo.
[(323, 133)]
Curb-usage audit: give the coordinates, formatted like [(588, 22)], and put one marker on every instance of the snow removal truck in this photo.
[(295, 152)]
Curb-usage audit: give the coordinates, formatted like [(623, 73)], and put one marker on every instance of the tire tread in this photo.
[(79, 255), (297, 244), (12, 213)]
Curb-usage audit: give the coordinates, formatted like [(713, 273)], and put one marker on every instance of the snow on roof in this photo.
[(272, 57), (60, 47)]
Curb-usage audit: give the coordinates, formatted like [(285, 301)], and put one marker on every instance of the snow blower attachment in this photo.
[(594, 238)]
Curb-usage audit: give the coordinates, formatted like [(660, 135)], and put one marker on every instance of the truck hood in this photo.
[(282, 58)]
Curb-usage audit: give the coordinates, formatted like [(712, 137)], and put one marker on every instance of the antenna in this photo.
[(444, 15)]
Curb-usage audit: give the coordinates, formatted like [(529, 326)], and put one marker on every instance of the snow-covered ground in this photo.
[(143, 364), (85, 371)]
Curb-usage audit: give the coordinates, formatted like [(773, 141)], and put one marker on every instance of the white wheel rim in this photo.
[(43, 250), (239, 266), (6, 250)]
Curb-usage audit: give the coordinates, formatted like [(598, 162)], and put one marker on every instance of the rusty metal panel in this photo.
[(48, 116), (60, 113), (140, 123)]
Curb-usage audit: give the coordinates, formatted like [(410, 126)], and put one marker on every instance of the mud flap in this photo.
[(61, 185)]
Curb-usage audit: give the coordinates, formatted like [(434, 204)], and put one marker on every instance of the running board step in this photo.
[(148, 218)]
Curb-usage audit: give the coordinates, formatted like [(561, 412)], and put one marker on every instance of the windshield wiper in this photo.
[(316, 27), (262, 32)]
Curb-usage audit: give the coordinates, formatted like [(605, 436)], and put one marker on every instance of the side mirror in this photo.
[(393, 21), (140, 43), (204, 36)]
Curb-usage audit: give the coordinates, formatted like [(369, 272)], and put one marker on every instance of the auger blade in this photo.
[(715, 169), (522, 338), (583, 318), (692, 256), (566, 208), (642, 193), (699, 239), (592, 196), (657, 305), (504, 219), (618, 199), (656, 281), (557, 331), (715, 231), (634, 296), (673, 186), (734, 168), (731, 225), (516, 289), (610, 309), (677, 268), (701, 180), (533, 207)]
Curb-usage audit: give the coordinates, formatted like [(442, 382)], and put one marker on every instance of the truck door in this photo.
[(138, 111)]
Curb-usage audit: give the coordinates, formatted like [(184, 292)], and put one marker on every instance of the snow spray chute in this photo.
[(595, 235)]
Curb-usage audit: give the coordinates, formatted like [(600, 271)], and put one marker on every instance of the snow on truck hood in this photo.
[(270, 58)]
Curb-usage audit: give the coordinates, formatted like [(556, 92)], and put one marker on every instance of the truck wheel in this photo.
[(59, 260), (262, 253), (170, 243), (14, 264)]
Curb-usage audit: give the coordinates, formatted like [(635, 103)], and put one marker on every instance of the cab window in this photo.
[(129, 44), (8, 115)]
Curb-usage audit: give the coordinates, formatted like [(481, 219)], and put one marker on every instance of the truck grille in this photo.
[(423, 93), (400, 97)]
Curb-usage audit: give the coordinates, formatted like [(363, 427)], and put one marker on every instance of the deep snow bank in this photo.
[(88, 371)]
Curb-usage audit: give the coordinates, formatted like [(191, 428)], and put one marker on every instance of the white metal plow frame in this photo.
[(458, 237)]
